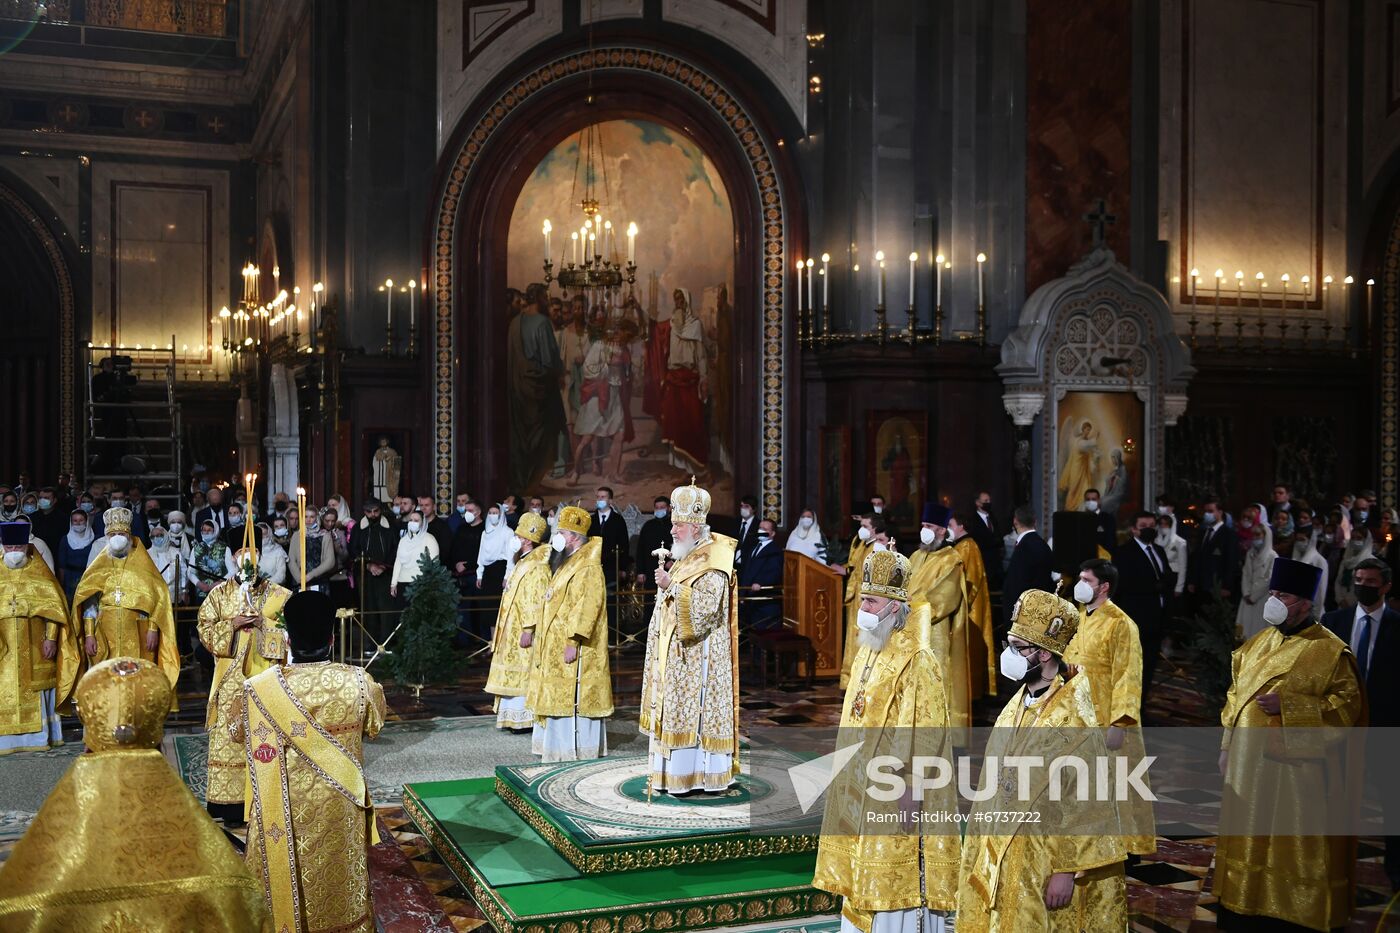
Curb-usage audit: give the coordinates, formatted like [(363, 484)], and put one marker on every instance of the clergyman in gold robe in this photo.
[(939, 581), (120, 843), (570, 690), (982, 657), (900, 875), (312, 820), (238, 625), (1063, 870), (38, 658), (871, 531), (122, 603), (1294, 697), (522, 603), (690, 682)]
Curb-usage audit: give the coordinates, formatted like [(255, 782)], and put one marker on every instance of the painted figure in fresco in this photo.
[(533, 370), (1079, 463), (686, 388)]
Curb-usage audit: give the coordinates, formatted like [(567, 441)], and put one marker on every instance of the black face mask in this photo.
[(1147, 535), (1367, 595)]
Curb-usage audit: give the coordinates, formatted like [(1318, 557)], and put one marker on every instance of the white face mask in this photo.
[(602, 505), (493, 520), (471, 518), (864, 533), (804, 523), (659, 513), (413, 527), (557, 541), (118, 544), (867, 621), (15, 559), (879, 546), (158, 542), (1275, 612), (177, 527), (1013, 666), (1091, 505), (746, 512), (394, 509), (279, 532), (927, 535), (515, 545), (1163, 510), (1083, 592)]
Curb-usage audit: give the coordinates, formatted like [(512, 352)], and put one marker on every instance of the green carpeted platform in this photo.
[(524, 885)]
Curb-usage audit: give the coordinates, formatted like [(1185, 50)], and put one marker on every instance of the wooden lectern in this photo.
[(813, 606)]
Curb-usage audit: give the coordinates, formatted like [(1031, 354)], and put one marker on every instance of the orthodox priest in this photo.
[(522, 603), (239, 625), (122, 603), (938, 579), (120, 843), (312, 819), (690, 684), (1064, 873), (890, 880), (1294, 696), (570, 691), (982, 667), (861, 545), (36, 634)]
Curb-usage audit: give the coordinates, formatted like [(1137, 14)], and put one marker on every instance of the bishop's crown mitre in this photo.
[(886, 574), (123, 703), (690, 504), (1044, 620)]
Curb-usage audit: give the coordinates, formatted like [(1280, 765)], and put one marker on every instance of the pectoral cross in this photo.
[(117, 595)]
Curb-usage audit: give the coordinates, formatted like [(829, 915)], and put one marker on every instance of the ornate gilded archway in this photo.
[(772, 218)]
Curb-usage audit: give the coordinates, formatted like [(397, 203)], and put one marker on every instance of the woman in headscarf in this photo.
[(1283, 533), (75, 551), (806, 538), (415, 542), (1358, 549), (211, 562), (493, 562), (272, 557), (1258, 568), (1244, 535), (1175, 546)]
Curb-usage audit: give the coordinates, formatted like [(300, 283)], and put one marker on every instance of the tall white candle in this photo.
[(913, 261), (632, 242), (811, 286), (981, 261), (826, 280), (547, 227), (880, 278), (800, 306), (388, 302), (938, 281)]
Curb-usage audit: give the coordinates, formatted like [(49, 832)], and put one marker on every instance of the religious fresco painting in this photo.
[(639, 389), (896, 465), (1099, 447)]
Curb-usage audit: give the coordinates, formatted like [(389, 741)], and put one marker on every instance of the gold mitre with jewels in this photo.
[(1045, 620), (690, 504), (572, 518), (123, 703), (885, 574), (532, 527), (117, 519)]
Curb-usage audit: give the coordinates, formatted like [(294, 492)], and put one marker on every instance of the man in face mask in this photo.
[(522, 607), (39, 669), (612, 528), (372, 548), (1361, 508), (49, 519), (982, 658), (233, 534), (1299, 676), (886, 880), (871, 529), (122, 603), (1106, 524), (938, 579), (9, 507), (1211, 567), (1145, 585), (655, 534)]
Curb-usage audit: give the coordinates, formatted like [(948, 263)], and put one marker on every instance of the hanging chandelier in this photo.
[(592, 262)]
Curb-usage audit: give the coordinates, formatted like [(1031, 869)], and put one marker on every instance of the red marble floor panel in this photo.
[(402, 902)]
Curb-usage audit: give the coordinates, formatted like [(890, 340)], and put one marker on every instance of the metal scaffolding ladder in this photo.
[(136, 438)]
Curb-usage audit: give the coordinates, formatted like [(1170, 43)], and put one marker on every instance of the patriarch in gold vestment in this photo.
[(120, 843), (522, 603), (872, 531), (239, 625), (122, 604), (1063, 872), (312, 819), (690, 684), (1294, 696), (34, 636), (902, 875), (939, 580), (570, 691), (982, 646)]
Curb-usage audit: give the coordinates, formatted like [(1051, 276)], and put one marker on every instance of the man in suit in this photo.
[(1105, 523), (1031, 563), (748, 529), (984, 531), (608, 524), (1372, 630), (655, 533), (759, 578), (214, 511), (1145, 583), (1211, 568)]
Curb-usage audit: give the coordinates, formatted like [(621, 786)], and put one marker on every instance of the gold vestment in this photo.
[(936, 578), (854, 562), (521, 607), (133, 600), (238, 655), (32, 610), (1279, 775), (312, 820), (575, 612), (982, 650), (894, 702)]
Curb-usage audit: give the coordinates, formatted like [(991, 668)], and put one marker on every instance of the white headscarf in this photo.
[(495, 542), (694, 329), (808, 542), (342, 513)]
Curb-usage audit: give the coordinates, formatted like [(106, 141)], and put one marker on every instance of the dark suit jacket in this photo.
[(1106, 530), (1140, 592), (1382, 687), (988, 542), (748, 539), (655, 533), (1030, 568), (220, 519), (442, 534), (764, 567), (617, 551), (1213, 563)]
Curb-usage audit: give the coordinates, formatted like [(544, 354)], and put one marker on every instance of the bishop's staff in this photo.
[(662, 554)]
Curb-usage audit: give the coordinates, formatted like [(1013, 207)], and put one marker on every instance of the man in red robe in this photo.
[(686, 388)]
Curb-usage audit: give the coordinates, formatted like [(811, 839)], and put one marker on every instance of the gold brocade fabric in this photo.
[(690, 682), (901, 702), (133, 599), (121, 844), (937, 578), (314, 840), (1004, 876), (1279, 777), (982, 663), (237, 656), (522, 605), (855, 562), (32, 609), (575, 612)]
